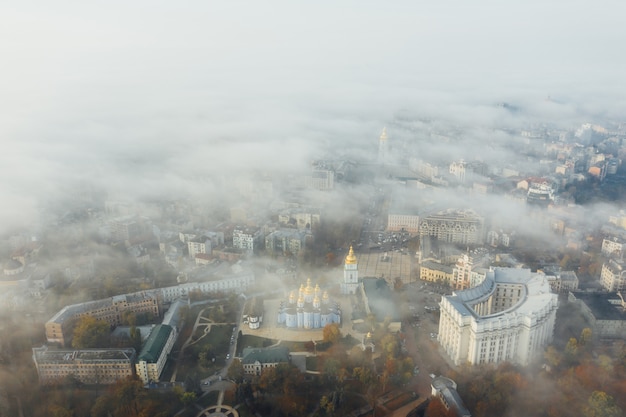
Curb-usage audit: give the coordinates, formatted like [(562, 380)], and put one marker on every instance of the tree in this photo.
[(188, 398), (600, 404), (585, 336), (91, 333), (331, 332), (235, 370)]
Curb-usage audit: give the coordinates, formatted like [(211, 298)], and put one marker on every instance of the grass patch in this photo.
[(210, 398), (400, 400), (252, 341)]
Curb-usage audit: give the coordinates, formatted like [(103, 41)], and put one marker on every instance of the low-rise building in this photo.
[(89, 366), (256, 360)]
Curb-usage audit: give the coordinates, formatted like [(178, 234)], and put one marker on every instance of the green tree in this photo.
[(235, 371), (600, 404), (187, 398), (91, 333)]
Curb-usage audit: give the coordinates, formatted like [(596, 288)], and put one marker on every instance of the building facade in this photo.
[(153, 355), (255, 360), (509, 317), (310, 309), (60, 326), (613, 275), (350, 282), (89, 366), (454, 226)]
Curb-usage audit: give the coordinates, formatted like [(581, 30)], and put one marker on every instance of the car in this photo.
[(228, 356)]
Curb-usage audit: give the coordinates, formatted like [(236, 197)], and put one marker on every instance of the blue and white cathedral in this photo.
[(310, 310)]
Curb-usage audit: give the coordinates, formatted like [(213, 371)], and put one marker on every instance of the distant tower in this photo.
[(383, 147), (350, 274)]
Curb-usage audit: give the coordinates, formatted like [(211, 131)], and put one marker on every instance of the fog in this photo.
[(150, 98)]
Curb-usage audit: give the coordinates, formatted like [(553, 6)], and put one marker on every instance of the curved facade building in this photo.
[(309, 309), (509, 317)]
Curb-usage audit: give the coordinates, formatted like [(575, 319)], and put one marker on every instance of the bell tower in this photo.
[(350, 274)]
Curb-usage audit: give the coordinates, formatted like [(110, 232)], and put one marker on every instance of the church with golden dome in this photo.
[(350, 274), (310, 309)]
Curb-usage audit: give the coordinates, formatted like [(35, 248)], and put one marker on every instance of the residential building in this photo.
[(153, 355), (613, 275), (256, 360), (89, 366), (248, 239), (509, 317), (605, 312), (562, 281), (454, 226), (433, 271), (286, 242), (445, 389), (613, 247)]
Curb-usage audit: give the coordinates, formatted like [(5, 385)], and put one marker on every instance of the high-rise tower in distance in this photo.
[(383, 148)]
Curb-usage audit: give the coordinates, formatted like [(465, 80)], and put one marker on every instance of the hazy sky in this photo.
[(145, 94)]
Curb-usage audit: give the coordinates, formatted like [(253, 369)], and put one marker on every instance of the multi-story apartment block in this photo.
[(300, 218), (153, 355), (562, 281), (248, 239), (89, 366), (200, 245), (613, 247), (111, 310), (320, 179), (613, 275), (457, 169), (454, 226), (509, 317), (286, 241), (128, 228)]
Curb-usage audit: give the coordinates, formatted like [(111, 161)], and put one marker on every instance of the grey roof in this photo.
[(268, 355)]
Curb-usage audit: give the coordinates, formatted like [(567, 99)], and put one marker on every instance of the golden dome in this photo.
[(351, 258), (309, 288)]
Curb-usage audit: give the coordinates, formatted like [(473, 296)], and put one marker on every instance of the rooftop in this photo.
[(156, 342)]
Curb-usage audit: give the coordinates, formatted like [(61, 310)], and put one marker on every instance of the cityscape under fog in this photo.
[(312, 210)]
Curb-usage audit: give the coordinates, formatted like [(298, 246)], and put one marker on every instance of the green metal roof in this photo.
[(156, 342)]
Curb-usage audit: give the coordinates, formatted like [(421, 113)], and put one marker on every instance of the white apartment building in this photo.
[(247, 239), (613, 275), (509, 317), (613, 247)]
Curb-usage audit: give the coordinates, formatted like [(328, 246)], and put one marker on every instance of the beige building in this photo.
[(89, 366), (153, 355), (403, 222), (509, 317), (613, 275), (111, 310), (454, 226), (436, 272)]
